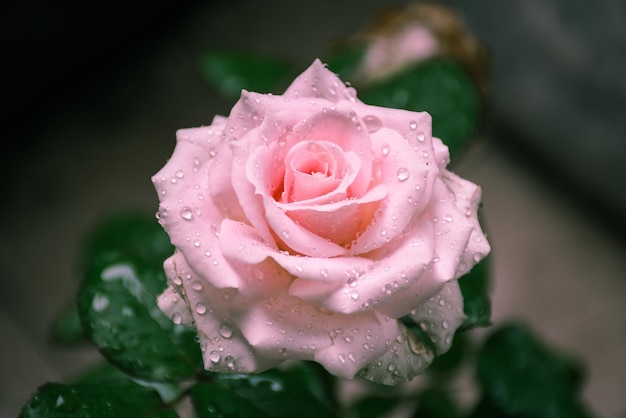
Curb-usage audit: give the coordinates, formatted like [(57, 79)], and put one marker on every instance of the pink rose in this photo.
[(306, 224)]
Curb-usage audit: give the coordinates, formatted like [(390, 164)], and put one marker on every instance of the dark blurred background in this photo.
[(92, 94)]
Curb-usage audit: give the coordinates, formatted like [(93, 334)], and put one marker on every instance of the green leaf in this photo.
[(476, 302), (452, 359), (435, 403), (110, 399), (66, 328), (317, 380), (101, 372), (440, 87), (117, 302), (231, 71), (215, 400), (344, 61), (278, 393), (523, 378), (374, 406)]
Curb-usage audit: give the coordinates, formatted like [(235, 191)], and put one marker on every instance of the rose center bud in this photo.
[(312, 170)]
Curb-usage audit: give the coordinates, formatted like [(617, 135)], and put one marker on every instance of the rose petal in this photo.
[(407, 356), (220, 182), (407, 167), (357, 341), (224, 349), (312, 169), (247, 113), (397, 273), (467, 200), (285, 327), (193, 223), (339, 222), (441, 315), (193, 149), (318, 82), (409, 270), (295, 236), (175, 306), (342, 127), (238, 236)]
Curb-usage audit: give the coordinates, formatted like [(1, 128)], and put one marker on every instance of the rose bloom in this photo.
[(307, 224)]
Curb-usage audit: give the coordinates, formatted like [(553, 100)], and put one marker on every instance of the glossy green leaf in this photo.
[(316, 378), (101, 372), (440, 87), (215, 400), (345, 61), (375, 406), (476, 301), (117, 302), (523, 378), (105, 400), (435, 403), (449, 361), (231, 71), (278, 393)]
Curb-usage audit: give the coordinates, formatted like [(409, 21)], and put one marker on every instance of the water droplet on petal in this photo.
[(391, 367), (230, 362), (186, 213), (226, 331), (413, 124), (214, 356), (201, 308), (421, 136), (342, 358), (196, 285), (324, 273), (372, 123), (180, 174), (403, 173), (352, 357), (177, 319), (445, 324), (385, 148)]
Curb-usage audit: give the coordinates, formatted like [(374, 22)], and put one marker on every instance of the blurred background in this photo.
[(92, 94)]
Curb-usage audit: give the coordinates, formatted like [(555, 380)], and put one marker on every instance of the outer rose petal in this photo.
[(318, 82), (285, 327), (194, 148), (407, 356), (223, 347), (193, 222)]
